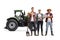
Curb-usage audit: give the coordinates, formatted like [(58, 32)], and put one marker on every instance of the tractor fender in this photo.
[(12, 18)]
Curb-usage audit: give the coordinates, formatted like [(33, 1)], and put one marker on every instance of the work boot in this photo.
[(52, 33), (42, 33), (46, 33), (35, 33), (31, 33)]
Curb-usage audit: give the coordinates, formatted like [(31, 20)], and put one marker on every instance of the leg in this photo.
[(51, 28), (42, 28), (34, 28), (30, 26), (46, 27), (38, 28)]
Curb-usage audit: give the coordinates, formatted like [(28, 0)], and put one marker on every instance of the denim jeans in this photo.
[(49, 24)]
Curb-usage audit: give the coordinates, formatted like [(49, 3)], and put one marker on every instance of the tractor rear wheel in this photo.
[(12, 25)]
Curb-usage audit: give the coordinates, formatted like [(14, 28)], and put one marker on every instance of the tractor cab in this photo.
[(19, 14)]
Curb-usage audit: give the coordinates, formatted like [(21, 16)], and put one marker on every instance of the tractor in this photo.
[(17, 21)]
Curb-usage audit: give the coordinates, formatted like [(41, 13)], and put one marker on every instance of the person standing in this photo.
[(32, 19), (49, 21), (40, 22)]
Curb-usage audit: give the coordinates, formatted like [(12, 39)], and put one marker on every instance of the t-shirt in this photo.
[(49, 19), (40, 17), (32, 19)]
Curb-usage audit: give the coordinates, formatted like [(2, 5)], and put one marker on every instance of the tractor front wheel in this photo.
[(12, 25)]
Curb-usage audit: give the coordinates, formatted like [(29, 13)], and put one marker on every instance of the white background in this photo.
[(7, 8)]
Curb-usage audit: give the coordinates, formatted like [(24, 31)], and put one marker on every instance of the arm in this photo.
[(46, 16), (50, 16), (43, 16), (28, 15)]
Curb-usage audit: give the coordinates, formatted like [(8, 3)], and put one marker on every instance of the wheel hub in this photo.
[(12, 25)]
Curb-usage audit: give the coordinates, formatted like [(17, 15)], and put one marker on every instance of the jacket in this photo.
[(50, 18)]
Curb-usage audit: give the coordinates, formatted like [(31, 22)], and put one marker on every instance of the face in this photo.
[(32, 9), (49, 11), (39, 11)]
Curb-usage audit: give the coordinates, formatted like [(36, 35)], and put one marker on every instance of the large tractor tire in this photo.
[(12, 25)]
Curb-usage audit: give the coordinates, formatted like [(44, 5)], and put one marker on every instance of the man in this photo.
[(32, 20), (49, 20), (40, 22)]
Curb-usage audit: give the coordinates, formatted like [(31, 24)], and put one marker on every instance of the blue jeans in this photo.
[(48, 24)]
